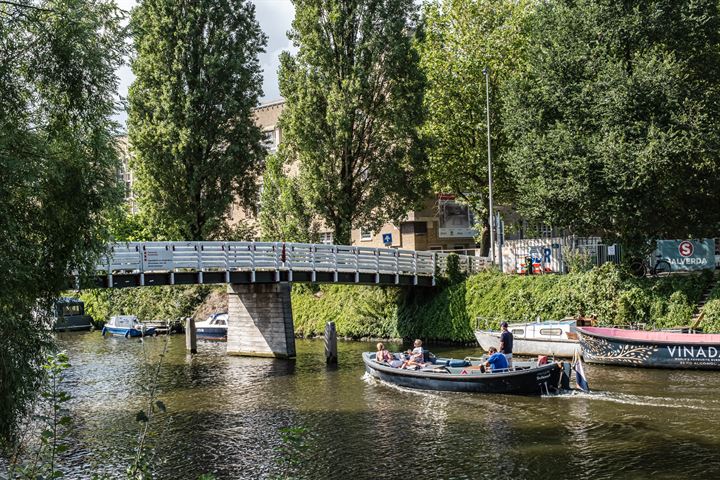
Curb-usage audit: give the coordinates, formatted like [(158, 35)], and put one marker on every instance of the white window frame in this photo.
[(326, 238), (366, 235)]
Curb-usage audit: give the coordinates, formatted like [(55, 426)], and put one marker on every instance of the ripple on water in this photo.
[(225, 416)]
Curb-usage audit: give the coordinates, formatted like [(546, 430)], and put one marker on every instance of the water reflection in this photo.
[(225, 415)]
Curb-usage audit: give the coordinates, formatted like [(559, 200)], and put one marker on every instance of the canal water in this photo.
[(229, 416)]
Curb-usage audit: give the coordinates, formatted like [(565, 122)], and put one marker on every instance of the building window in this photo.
[(365, 235), (420, 228), (269, 140), (545, 230), (326, 238), (551, 331)]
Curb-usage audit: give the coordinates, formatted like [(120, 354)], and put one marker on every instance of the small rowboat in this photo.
[(524, 378), (637, 348)]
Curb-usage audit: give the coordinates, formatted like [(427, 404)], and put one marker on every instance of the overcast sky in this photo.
[(274, 16)]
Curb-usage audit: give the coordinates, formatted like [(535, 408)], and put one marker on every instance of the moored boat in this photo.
[(214, 328), (69, 315), (638, 348), (127, 326), (552, 338), (524, 378)]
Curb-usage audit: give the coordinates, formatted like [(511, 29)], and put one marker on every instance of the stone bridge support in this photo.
[(260, 322)]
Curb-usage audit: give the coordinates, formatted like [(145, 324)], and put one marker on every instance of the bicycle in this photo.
[(641, 267)]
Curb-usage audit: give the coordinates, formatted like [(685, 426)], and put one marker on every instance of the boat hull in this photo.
[(211, 333), (126, 332), (535, 381), (526, 346), (612, 350), (75, 323)]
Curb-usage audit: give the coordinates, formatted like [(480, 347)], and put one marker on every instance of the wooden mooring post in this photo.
[(190, 335), (331, 356)]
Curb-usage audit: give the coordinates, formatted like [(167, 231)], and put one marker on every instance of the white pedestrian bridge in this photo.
[(135, 264)]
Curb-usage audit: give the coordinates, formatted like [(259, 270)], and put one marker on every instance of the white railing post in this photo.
[(171, 248), (143, 258), (109, 271), (356, 251), (414, 267), (251, 247), (313, 276), (434, 267), (335, 266), (199, 258), (397, 267), (277, 261), (226, 256), (376, 252), (289, 250)]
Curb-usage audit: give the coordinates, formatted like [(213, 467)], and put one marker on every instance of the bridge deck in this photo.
[(183, 263)]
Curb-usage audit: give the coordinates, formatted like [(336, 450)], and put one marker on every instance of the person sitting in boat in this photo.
[(416, 356), (382, 355), (496, 361)]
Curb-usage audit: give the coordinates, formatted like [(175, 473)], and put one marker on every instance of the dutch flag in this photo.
[(580, 374)]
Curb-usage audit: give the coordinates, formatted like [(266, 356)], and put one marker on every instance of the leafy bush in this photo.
[(454, 274), (451, 313), (148, 303)]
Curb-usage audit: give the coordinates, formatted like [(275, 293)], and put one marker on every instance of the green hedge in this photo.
[(148, 303), (450, 314), (357, 311)]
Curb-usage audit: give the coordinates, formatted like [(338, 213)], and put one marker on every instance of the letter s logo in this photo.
[(686, 248)]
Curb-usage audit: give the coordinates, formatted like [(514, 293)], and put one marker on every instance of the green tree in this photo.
[(461, 39), (353, 107), (59, 164), (196, 147), (614, 126), (283, 210)]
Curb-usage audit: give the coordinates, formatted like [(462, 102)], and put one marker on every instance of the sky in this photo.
[(274, 17)]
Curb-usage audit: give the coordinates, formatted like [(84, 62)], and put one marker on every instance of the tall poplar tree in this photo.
[(353, 107), (195, 146)]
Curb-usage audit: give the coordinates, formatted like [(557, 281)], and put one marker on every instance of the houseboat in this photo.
[(69, 314), (653, 349), (551, 338)]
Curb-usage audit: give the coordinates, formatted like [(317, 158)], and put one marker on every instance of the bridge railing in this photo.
[(142, 257)]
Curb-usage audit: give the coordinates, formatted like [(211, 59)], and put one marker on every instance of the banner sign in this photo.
[(456, 220), (685, 255)]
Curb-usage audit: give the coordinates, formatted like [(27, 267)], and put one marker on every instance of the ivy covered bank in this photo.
[(449, 313)]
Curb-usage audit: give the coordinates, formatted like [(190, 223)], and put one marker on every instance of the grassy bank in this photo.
[(451, 314)]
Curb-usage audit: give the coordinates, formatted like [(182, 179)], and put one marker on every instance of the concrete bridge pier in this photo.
[(260, 322)]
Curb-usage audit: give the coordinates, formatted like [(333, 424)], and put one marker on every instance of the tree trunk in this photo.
[(485, 238)]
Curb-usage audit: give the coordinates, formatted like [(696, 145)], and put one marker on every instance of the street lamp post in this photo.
[(486, 72)]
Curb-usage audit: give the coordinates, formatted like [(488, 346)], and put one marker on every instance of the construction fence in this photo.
[(555, 254)]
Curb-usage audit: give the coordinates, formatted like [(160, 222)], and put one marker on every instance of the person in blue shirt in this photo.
[(496, 361)]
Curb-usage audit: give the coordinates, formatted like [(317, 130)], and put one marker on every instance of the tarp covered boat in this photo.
[(638, 348), (525, 378)]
